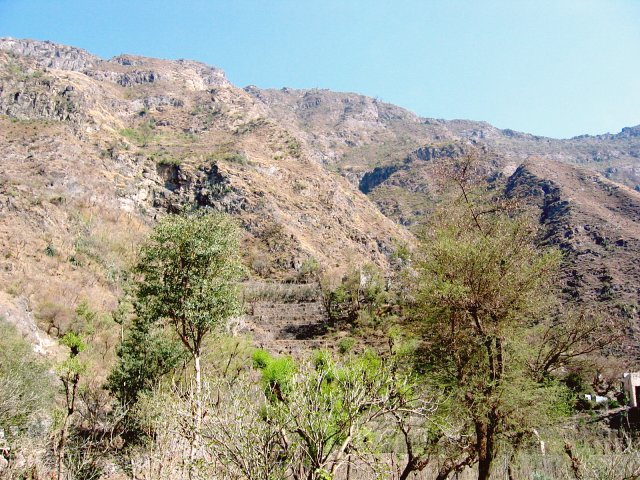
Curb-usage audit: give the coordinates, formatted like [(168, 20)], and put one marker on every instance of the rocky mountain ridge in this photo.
[(353, 131), (94, 150)]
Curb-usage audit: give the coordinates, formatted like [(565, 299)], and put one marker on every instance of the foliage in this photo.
[(294, 148), (144, 357), (309, 269), (25, 386), (311, 417), (234, 157), (142, 135), (261, 358), (186, 283), (362, 288), (345, 345), (484, 286), (188, 273), (164, 159), (76, 345), (277, 373)]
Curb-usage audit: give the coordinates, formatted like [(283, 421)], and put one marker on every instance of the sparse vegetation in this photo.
[(294, 148), (141, 135), (250, 126), (458, 354), (165, 158), (237, 158), (285, 292)]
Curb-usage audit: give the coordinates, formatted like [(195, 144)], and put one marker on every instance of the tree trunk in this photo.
[(61, 446), (197, 421), (414, 464), (196, 359), (70, 397), (408, 469), (485, 448)]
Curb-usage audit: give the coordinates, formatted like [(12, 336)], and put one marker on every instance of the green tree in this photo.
[(188, 273), (145, 355), (69, 372), (484, 285), (330, 410), (361, 289)]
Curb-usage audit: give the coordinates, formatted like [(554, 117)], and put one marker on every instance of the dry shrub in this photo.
[(55, 319)]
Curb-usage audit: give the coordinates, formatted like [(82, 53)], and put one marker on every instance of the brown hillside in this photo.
[(94, 150)]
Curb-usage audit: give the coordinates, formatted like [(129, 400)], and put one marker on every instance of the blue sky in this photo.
[(557, 68)]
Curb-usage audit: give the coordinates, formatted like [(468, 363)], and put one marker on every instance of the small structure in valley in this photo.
[(631, 383)]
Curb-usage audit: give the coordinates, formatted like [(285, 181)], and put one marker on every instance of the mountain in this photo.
[(587, 187), (354, 133), (94, 151)]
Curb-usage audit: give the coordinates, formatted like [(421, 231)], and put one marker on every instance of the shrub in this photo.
[(142, 135), (50, 251), (261, 358), (55, 319), (321, 359), (345, 345), (294, 148), (309, 269), (168, 161), (226, 153), (25, 387), (277, 375)]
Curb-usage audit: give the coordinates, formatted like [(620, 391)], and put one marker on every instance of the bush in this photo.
[(309, 269), (261, 358), (321, 359), (277, 373), (142, 135), (345, 345), (25, 386), (294, 148), (166, 160), (361, 290), (144, 357)]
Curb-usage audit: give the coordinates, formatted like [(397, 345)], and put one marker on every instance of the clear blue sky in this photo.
[(557, 68)]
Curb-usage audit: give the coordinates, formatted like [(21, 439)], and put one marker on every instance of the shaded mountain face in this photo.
[(94, 151), (595, 222)]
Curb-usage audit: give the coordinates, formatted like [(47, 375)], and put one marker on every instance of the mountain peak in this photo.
[(630, 132), (50, 55)]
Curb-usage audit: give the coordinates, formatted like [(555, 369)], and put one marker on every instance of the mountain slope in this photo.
[(94, 150), (587, 188), (356, 133)]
